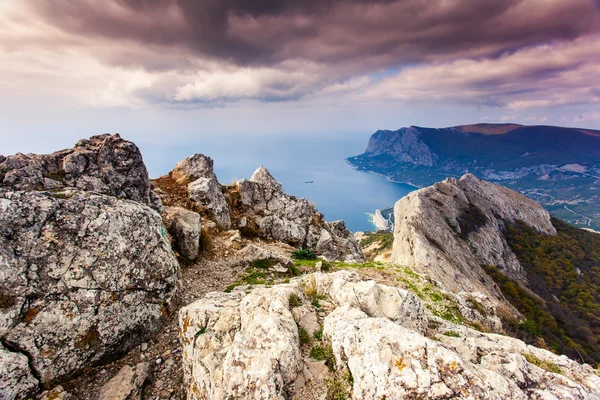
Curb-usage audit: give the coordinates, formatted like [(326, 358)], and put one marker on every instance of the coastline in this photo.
[(354, 167)]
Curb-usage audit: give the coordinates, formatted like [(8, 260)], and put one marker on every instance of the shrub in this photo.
[(206, 240), (249, 232), (323, 352), (318, 334), (304, 254)]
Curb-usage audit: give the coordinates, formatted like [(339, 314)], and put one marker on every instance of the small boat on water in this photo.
[(309, 182)]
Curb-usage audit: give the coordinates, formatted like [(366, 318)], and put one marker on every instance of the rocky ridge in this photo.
[(454, 227)]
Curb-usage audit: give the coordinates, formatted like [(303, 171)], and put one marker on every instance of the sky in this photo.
[(184, 71)]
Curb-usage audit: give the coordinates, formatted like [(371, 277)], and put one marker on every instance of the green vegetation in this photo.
[(304, 336), (543, 364), (318, 334), (384, 238), (471, 220), (264, 263), (304, 254), (323, 352), (451, 334), (294, 300), (564, 270)]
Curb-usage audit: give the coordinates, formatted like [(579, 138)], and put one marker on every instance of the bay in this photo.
[(338, 190)]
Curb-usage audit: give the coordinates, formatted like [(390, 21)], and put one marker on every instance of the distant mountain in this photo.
[(556, 166)]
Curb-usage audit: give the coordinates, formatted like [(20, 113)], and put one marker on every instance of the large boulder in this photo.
[(184, 226), (83, 277), (207, 193), (450, 229), (279, 216), (105, 164)]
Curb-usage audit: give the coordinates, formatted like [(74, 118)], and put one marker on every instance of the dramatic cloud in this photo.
[(509, 53)]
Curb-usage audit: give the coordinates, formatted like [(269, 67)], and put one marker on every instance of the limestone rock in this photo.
[(306, 317), (184, 226), (286, 218), (89, 276), (128, 384), (450, 229), (207, 193), (193, 167), (16, 379), (105, 164)]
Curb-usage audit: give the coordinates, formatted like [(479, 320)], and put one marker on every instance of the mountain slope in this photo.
[(472, 235), (558, 167)]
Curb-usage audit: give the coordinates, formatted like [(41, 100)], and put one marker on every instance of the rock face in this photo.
[(86, 276), (246, 346), (16, 380), (203, 187), (452, 228), (105, 164), (405, 145), (184, 226), (279, 216)]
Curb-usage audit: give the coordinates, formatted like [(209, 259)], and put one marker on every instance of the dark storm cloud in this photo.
[(367, 34)]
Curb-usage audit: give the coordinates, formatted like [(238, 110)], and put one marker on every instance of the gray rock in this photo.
[(285, 218), (405, 145), (128, 384), (193, 167), (16, 379), (184, 226), (207, 193), (105, 164), (89, 276), (428, 237)]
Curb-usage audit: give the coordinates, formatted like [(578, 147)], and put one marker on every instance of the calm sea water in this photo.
[(338, 191)]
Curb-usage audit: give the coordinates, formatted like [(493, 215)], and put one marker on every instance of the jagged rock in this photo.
[(185, 227), (285, 218), (450, 229), (105, 164), (89, 276), (193, 167), (405, 145), (16, 379), (253, 252), (207, 192), (57, 393), (128, 384)]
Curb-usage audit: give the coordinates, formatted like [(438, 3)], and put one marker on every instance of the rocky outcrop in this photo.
[(184, 226), (276, 215), (450, 229), (84, 276), (405, 145), (104, 164), (245, 345), (204, 190)]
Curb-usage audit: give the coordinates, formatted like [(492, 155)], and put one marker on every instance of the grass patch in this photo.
[(451, 334), (294, 300), (318, 335), (264, 263), (384, 238), (249, 232), (336, 387), (323, 352), (304, 336), (206, 240), (543, 364)]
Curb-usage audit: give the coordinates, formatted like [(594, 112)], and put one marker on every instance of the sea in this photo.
[(336, 188)]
